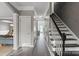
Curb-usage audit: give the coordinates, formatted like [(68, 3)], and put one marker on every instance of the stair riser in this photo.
[(67, 49)]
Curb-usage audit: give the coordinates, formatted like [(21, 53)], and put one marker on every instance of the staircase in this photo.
[(71, 45)]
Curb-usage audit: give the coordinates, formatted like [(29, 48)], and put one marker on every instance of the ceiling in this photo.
[(39, 7), (4, 10)]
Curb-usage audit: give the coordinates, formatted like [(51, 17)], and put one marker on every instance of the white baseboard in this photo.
[(15, 48), (50, 51), (27, 45), (68, 28)]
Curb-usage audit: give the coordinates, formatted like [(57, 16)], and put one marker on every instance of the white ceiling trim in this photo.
[(11, 7), (25, 8)]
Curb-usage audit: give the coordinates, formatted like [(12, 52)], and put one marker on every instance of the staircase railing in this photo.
[(63, 36)]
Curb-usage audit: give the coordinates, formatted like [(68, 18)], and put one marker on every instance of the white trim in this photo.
[(15, 33), (68, 28), (11, 7), (50, 51), (53, 7), (15, 48), (27, 45)]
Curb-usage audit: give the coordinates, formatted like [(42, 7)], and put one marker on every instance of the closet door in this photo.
[(25, 30)]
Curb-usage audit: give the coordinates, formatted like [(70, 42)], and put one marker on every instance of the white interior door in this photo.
[(25, 31)]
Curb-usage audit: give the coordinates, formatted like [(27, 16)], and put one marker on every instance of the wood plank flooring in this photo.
[(4, 50), (40, 49)]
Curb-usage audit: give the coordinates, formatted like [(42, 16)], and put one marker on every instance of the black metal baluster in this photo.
[(63, 44)]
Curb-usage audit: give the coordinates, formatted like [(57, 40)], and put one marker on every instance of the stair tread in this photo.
[(71, 45), (58, 21), (60, 24), (64, 30), (71, 39), (66, 42), (58, 34), (71, 53), (62, 27), (69, 34), (66, 39)]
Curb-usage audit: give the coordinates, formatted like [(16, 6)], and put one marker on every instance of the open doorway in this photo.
[(6, 37)]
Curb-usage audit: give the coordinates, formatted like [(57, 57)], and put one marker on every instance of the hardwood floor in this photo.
[(40, 49), (4, 50)]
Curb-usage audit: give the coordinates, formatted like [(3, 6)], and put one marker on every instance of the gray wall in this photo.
[(4, 10), (27, 13), (4, 28), (69, 13)]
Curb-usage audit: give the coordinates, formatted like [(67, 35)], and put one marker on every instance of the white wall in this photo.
[(4, 10), (25, 31), (4, 28), (52, 7)]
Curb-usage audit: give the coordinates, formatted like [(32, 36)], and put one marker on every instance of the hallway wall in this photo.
[(25, 31), (4, 28), (69, 13)]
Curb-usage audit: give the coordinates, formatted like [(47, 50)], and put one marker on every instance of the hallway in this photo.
[(40, 28), (40, 49)]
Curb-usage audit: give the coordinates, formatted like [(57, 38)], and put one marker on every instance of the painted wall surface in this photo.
[(27, 13), (25, 31), (69, 13), (4, 28), (5, 10), (39, 7), (50, 9)]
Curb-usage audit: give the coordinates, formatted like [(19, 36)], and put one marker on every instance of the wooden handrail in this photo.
[(63, 35), (56, 25)]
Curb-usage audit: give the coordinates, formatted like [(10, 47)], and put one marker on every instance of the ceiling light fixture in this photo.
[(6, 21)]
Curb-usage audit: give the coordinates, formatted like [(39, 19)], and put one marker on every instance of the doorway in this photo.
[(6, 37)]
